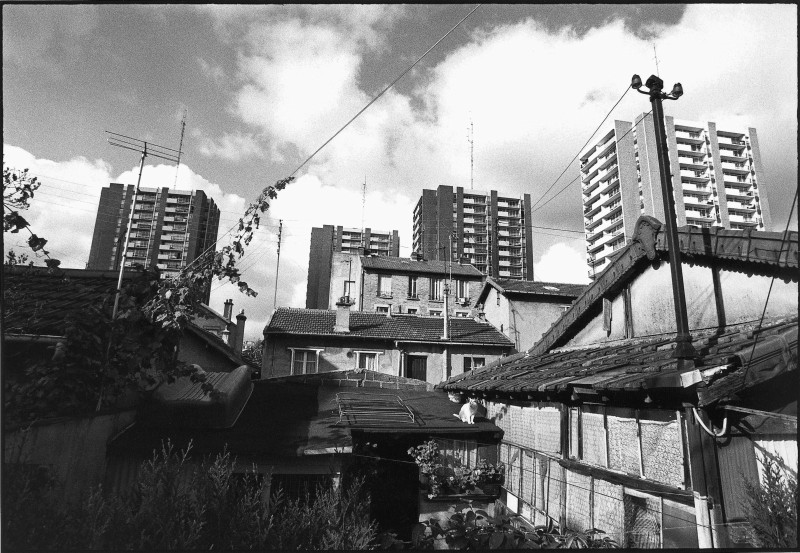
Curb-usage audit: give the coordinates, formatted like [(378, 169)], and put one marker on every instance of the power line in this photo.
[(362, 110), (627, 88), (576, 178)]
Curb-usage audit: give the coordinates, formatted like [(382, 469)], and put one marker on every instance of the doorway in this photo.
[(418, 367)]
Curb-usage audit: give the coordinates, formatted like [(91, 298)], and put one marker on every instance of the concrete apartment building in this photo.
[(385, 284), (718, 181), (489, 231), (170, 228), (326, 241)]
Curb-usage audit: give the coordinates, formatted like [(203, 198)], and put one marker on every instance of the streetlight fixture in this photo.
[(684, 350)]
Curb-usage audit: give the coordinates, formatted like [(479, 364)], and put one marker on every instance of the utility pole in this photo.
[(145, 149), (278, 265), (684, 350), (180, 148)]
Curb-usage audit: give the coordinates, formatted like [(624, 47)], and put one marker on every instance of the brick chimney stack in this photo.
[(239, 342), (228, 309)]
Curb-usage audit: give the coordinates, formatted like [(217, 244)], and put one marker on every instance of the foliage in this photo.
[(99, 358), (772, 507), (177, 504), (427, 457), (475, 529), (488, 473), (101, 355), (18, 190), (254, 352)]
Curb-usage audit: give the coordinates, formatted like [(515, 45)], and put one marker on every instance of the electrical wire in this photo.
[(372, 101), (627, 89)]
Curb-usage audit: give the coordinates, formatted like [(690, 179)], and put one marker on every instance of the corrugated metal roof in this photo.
[(406, 265), (320, 322)]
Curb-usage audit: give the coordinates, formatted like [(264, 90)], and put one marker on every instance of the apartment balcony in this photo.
[(611, 199), (731, 157), (690, 201), (613, 209), (738, 195), (695, 176), (683, 137), (592, 210), (731, 168), (745, 184), (740, 207), (589, 188), (734, 139), (702, 216), (691, 163)]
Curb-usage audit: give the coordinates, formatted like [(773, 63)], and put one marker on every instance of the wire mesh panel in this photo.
[(377, 409)]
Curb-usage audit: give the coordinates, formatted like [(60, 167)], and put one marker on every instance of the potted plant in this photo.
[(489, 477), (427, 457), (461, 481)]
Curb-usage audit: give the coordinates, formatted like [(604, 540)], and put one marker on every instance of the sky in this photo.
[(263, 87)]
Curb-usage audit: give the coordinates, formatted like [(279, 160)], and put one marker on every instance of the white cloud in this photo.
[(211, 71), (232, 147), (562, 263)]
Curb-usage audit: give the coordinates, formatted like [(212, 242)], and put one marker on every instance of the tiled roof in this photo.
[(746, 250), (642, 366), (37, 301), (319, 322), (403, 264)]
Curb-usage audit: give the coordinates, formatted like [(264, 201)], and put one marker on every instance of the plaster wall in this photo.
[(400, 302), (529, 319), (345, 266)]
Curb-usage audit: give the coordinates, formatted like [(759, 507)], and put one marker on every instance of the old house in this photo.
[(605, 428), (431, 349), (416, 286), (523, 309), (37, 304), (309, 429)]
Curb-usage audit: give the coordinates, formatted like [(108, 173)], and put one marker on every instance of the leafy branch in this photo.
[(18, 190)]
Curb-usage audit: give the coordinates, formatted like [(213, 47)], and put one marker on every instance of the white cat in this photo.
[(468, 411)]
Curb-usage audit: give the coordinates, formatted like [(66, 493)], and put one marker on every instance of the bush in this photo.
[(772, 507), (176, 504)]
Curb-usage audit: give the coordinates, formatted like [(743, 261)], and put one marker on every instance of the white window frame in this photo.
[(383, 291), (382, 306), (472, 362), (360, 353), (305, 361), (462, 289), (436, 291), (412, 310), (435, 312), (462, 313), (412, 287)]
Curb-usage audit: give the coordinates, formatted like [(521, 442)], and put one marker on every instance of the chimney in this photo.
[(228, 309), (342, 316), (239, 341), (480, 316)]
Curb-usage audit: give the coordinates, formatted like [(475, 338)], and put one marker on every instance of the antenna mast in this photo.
[(655, 57), (471, 140), (180, 148), (363, 210), (278, 265)]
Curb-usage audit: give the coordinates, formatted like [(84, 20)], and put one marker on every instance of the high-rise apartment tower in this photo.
[(489, 231), (170, 228), (329, 239), (717, 181)]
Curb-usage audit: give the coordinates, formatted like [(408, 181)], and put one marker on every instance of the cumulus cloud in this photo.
[(561, 263), (231, 147)]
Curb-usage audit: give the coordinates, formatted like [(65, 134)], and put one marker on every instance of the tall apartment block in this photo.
[(489, 231), (717, 181), (170, 228), (329, 239)]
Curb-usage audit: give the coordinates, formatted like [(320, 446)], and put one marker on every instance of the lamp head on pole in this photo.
[(636, 82), (677, 90), (654, 83)]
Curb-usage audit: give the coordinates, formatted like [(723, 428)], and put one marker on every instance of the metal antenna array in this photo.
[(471, 140), (180, 148), (146, 149)]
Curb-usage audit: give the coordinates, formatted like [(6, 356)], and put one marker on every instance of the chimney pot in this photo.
[(228, 309)]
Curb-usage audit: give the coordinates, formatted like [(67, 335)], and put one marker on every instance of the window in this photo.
[(385, 286), (412, 287), (417, 367), (435, 312), (462, 289), (462, 313), (411, 310), (348, 289), (304, 361), (437, 289), (473, 363), (367, 360), (381, 309)]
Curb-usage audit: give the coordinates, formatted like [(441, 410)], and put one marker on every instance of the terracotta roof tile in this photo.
[(402, 264), (320, 322)]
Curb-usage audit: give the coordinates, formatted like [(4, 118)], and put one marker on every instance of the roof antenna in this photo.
[(180, 147), (655, 57), (363, 210), (471, 140)]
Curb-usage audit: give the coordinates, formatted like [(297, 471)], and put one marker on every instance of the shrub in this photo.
[(176, 504), (772, 507)]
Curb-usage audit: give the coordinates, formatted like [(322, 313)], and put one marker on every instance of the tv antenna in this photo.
[(655, 57), (471, 140), (145, 149), (363, 211), (180, 147)]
